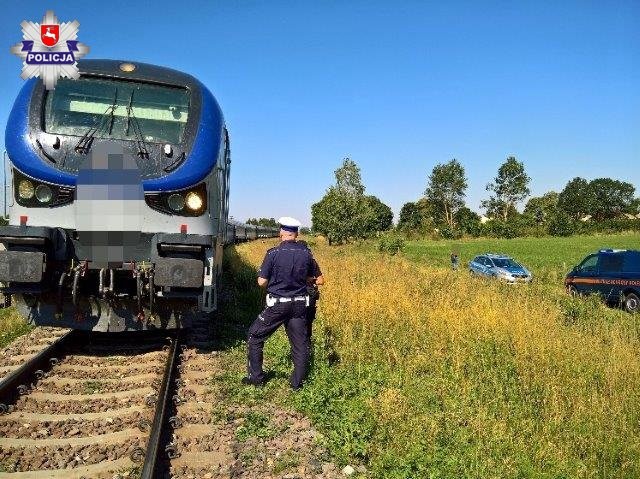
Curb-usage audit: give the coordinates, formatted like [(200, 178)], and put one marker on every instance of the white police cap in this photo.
[(288, 223)]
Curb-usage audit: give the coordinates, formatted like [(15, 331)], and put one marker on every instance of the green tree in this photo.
[(343, 212), (410, 217), (380, 215), (271, 222), (429, 213), (561, 224), (542, 208), (610, 198), (446, 189), (575, 199), (509, 188), (495, 208), (467, 221), (349, 180), (333, 215)]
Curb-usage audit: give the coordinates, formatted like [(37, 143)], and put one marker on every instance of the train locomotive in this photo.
[(117, 188)]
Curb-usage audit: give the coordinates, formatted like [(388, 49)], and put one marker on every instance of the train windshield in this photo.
[(120, 110)]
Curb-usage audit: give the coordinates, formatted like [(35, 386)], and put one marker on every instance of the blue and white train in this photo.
[(119, 198)]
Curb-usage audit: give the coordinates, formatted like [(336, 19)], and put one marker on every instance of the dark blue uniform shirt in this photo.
[(287, 267)]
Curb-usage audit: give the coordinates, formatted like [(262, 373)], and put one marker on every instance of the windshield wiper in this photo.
[(137, 131), (84, 144)]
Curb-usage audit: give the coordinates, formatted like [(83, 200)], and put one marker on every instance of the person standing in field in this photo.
[(286, 272), (455, 261)]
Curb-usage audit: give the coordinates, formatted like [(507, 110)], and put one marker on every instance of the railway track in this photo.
[(90, 406), (79, 405)]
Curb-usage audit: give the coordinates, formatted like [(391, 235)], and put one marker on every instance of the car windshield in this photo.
[(505, 263), (78, 105)]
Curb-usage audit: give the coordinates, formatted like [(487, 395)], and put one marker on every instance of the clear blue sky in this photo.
[(398, 86)]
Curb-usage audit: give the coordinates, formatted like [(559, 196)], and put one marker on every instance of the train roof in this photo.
[(144, 72)]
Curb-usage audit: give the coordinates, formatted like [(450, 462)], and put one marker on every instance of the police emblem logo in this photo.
[(50, 50), (49, 34)]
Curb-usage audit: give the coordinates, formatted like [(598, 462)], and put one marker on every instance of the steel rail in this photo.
[(17, 382), (151, 466)]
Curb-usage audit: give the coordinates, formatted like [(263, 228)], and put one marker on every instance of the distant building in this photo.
[(484, 219)]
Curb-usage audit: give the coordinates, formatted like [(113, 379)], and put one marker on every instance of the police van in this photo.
[(612, 274)]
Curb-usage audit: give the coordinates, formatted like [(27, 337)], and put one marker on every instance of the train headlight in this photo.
[(26, 189), (176, 202), (44, 194), (187, 202), (36, 194), (194, 201)]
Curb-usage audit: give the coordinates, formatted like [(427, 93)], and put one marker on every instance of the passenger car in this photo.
[(612, 274), (501, 267)]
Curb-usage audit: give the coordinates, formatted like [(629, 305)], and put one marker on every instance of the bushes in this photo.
[(450, 233), (615, 225), (391, 244), (562, 225)]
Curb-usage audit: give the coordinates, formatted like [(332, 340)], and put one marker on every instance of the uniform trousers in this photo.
[(293, 315)]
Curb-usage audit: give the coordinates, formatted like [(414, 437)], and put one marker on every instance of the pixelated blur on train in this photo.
[(119, 203)]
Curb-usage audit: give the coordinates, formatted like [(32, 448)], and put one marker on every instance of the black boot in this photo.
[(247, 381)]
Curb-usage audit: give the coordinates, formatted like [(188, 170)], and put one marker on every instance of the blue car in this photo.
[(501, 267)]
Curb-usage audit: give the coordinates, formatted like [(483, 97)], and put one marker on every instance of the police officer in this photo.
[(285, 271)]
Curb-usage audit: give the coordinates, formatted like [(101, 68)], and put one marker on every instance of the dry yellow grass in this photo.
[(477, 378)]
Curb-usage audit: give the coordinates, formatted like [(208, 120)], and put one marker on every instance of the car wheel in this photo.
[(631, 303), (571, 289)]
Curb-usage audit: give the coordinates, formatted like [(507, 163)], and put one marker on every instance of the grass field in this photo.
[(11, 326), (550, 258), (423, 372)]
